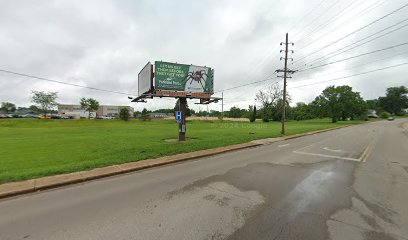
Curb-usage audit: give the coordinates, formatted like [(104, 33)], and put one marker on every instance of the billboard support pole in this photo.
[(182, 124)]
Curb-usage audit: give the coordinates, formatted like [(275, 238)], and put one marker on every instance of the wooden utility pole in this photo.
[(284, 85), (222, 106), (285, 71), (182, 124)]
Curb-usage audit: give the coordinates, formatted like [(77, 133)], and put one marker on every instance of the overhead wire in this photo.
[(342, 24), (355, 31), (339, 51), (330, 20), (62, 82), (353, 75), (360, 55)]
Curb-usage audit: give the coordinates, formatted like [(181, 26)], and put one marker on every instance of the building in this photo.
[(371, 113), (103, 110)]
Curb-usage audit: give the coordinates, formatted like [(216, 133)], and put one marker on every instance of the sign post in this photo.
[(182, 124), (180, 81)]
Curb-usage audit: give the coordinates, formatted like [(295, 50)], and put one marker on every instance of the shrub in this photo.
[(384, 115), (145, 115), (124, 114)]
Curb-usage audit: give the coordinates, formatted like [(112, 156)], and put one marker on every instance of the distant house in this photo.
[(161, 115), (103, 110), (371, 113)]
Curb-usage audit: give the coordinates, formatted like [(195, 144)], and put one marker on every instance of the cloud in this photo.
[(105, 43)]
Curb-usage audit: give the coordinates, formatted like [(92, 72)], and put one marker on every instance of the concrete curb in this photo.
[(44, 183)]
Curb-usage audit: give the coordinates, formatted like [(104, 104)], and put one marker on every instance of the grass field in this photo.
[(31, 148)]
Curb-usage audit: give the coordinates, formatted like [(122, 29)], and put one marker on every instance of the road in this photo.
[(351, 183)]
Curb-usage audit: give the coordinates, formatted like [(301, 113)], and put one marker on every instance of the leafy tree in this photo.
[(252, 113), (89, 105), (8, 107), (395, 100), (373, 104), (234, 112), (177, 107), (34, 109), (124, 114), (145, 115), (271, 99), (303, 111), (45, 100), (340, 103)]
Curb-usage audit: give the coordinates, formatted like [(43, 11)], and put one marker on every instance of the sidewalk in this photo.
[(33, 185)]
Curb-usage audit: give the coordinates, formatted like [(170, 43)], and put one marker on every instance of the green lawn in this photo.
[(31, 148)]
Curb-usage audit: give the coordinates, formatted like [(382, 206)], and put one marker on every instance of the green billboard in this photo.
[(182, 77)]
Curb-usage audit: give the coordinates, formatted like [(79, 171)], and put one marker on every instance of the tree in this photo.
[(395, 100), (303, 111), (177, 107), (271, 99), (89, 105), (145, 115), (252, 113), (340, 103), (234, 112), (8, 107), (34, 109), (373, 104), (45, 100), (124, 114)]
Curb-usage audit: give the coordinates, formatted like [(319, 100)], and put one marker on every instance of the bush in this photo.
[(252, 117), (145, 115), (124, 114), (384, 115)]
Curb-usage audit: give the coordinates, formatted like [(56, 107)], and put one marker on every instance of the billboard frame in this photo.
[(182, 96), (151, 79)]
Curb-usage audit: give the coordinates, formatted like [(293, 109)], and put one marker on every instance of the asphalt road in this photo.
[(351, 183)]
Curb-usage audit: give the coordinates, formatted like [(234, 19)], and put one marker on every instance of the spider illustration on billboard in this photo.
[(197, 76)]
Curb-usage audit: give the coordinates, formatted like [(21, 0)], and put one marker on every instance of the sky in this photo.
[(105, 43)]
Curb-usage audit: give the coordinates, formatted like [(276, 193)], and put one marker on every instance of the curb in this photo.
[(29, 186)]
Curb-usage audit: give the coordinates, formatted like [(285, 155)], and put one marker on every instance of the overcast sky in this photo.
[(105, 43)]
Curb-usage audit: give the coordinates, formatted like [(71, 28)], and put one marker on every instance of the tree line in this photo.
[(45, 102), (338, 103)]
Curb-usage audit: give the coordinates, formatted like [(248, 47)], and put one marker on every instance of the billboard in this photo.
[(145, 79), (182, 77)]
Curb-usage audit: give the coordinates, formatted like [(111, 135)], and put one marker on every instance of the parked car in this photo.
[(390, 118), (29, 115), (44, 117), (3, 116)]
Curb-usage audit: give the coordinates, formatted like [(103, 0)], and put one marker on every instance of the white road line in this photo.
[(284, 145), (332, 150), (326, 139), (327, 156)]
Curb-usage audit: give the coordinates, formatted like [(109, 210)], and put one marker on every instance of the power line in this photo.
[(354, 75), (356, 16), (365, 64), (360, 55), (319, 16), (355, 31), (61, 82), (244, 85), (327, 56), (307, 14), (330, 20)]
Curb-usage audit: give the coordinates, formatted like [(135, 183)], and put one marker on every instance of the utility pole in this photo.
[(222, 106), (182, 124), (285, 71)]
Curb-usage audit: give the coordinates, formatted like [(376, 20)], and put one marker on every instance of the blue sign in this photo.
[(179, 116)]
